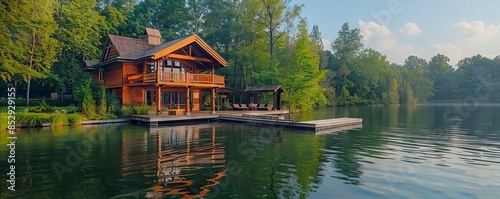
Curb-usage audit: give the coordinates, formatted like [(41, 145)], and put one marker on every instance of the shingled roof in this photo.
[(120, 48), (263, 89), (129, 48)]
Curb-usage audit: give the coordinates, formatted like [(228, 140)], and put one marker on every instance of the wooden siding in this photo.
[(113, 53), (95, 75), (113, 76), (131, 68), (132, 95)]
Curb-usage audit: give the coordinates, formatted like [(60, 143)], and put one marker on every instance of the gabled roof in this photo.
[(263, 89), (135, 49), (129, 48)]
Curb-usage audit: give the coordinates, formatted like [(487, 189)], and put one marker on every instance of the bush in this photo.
[(59, 119), (138, 109), (142, 109), (88, 103), (103, 105), (363, 102), (108, 117), (32, 119), (127, 110), (75, 119), (114, 104), (3, 118), (42, 107)]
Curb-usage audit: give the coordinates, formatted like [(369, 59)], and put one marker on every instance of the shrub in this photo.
[(42, 107), (108, 117), (3, 118), (127, 110), (103, 105), (59, 119), (88, 103), (75, 119), (32, 119), (114, 104), (138, 109), (142, 109)]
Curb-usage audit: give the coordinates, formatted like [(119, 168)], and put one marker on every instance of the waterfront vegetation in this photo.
[(265, 42)]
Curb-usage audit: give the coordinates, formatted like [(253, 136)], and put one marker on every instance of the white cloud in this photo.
[(326, 44), (380, 38), (450, 50), (376, 36), (478, 29), (410, 29)]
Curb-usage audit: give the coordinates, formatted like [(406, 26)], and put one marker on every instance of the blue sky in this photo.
[(399, 28)]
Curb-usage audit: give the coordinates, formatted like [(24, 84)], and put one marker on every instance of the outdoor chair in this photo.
[(237, 107)]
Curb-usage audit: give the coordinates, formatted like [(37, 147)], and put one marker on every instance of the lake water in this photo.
[(401, 152)]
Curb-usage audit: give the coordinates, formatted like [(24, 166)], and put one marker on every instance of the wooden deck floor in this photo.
[(272, 118)]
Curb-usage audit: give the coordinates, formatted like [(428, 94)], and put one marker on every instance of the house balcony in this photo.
[(176, 79)]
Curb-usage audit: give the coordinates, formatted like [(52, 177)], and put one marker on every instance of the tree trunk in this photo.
[(28, 92)]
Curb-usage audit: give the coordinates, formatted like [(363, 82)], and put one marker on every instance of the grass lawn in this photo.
[(21, 108)]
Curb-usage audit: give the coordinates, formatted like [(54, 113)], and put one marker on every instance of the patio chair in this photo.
[(237, 107), (244, 107)]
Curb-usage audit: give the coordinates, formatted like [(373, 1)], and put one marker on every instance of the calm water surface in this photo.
[(401, 152)]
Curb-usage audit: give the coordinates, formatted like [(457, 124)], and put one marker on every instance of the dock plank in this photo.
[(257, 117)]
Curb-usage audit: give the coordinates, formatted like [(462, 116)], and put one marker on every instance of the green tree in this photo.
[(345, 49), (302, 89), (168, 16), (79, 32), (442, 74), (413, 62), (393, 95), (273, 14), (30, 27), (477, 77)]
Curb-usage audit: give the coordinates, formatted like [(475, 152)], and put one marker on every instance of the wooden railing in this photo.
[(172, 77), (176, 77), (200, 78), (143, 77)]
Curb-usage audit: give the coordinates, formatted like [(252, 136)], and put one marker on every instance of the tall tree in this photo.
[(442, 74), (302, 89), (345, 48), (413, 62), (31, 26), (168, 16), (197, 9), (8, 64), (393, 94), (79, 32), (273, 14)]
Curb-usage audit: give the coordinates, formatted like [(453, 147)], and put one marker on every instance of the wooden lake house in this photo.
[(169, 76)]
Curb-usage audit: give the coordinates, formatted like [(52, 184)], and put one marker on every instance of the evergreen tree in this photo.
[(302, 89)]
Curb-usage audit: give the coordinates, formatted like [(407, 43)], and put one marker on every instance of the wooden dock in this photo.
[(315, 125), (271, 118)]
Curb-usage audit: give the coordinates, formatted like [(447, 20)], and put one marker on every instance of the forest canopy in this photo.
[(45, 42)]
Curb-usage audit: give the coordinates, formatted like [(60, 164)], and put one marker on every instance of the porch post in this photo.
[(158, 98), (158, 71), (187, 108), (213, 73), (212, 100)]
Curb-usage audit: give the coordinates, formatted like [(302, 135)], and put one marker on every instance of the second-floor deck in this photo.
[(176, 78)]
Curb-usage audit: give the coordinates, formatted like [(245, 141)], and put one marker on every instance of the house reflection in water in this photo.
[(190, 160)]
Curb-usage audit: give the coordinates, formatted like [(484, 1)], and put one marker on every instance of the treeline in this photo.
[(44, 44), (364, 76)]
